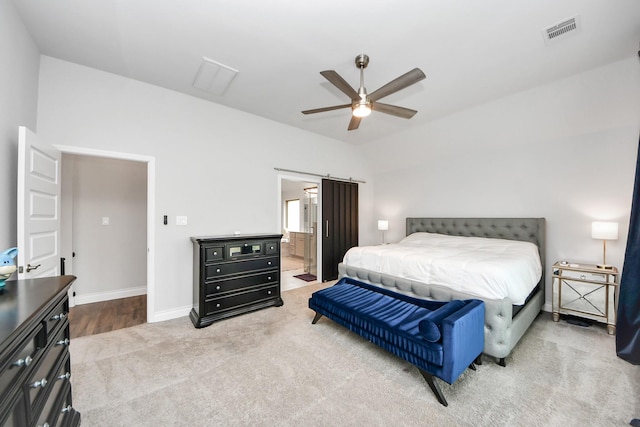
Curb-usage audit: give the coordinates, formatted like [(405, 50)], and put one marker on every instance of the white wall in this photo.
[(565, 151), (19, 59), (111, 260), (213, 164)]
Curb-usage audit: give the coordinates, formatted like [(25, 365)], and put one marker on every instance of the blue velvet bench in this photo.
[(440, 338)]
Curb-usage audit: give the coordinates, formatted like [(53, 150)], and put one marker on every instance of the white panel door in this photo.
[(39, 190)]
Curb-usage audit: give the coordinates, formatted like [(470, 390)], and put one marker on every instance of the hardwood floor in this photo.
[(99, 317)]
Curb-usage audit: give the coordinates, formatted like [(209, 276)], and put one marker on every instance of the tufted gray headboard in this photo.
[(524, 229)]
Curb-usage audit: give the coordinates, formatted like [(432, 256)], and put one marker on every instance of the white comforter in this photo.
[(487, 268)]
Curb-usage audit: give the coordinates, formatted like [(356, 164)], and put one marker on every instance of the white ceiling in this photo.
[(471, 51)]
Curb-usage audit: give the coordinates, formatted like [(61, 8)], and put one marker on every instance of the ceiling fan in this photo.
[(362, 103)]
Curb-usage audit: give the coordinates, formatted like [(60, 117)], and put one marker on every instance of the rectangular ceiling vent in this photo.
[(213, 76), (562, 30)]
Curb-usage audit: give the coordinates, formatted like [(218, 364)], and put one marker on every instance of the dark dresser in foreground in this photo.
[(35, 370), (234, 275)]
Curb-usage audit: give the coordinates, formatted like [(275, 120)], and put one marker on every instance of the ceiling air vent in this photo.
[(562, 30), (213, 76)]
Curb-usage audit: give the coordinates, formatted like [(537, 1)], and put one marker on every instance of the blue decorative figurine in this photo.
[(7, 264)]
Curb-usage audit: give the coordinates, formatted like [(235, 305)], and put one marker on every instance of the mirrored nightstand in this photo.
[(586, 291)]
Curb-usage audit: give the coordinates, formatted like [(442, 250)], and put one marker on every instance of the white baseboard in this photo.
[(174, 313), (109, 295)]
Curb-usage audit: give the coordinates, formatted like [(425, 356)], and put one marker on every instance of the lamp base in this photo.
[(604, 266)]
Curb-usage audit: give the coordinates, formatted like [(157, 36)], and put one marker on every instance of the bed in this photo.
[(507, 317)]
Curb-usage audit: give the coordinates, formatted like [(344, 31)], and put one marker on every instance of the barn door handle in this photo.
[(32, 267), (327, 228)]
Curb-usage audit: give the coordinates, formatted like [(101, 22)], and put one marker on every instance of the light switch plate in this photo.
[(181, 220)]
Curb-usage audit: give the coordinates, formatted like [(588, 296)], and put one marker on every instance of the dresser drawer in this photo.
[(67, 413), (244, 266), (271, 248), (213, 253), (216, 305), (59, 389), (56, 317), (39, 384), (246, 281), (20, 360), (12, 413)]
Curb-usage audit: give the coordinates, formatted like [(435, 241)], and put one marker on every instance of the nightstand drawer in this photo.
[(585, 275), (222, 286)]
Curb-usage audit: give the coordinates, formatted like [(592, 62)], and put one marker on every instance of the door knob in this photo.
[(32, 267)]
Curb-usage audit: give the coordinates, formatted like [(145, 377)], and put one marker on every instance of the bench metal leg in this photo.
[(315, 319), (502, 362), (435, 388)]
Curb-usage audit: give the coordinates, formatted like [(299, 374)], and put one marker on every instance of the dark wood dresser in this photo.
[(234, 275), (34, 357)]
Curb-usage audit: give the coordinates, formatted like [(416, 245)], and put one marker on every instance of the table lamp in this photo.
[(383, 225), (604, 231)]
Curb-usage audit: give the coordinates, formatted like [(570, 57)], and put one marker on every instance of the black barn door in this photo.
[(339, 224)]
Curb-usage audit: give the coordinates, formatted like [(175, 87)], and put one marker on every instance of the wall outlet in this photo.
[(181, 220)]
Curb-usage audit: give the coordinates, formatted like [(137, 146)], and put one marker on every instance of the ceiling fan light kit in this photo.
[(362, 103)]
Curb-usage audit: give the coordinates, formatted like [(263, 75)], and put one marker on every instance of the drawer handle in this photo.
[(63, 342), (217, 288), (217, 305), (215, 253), (39, 384), (217, 270), (269, 263), (583, 277), (58, 316), (65, 376), (45, 425), (23, 362), (67, 408), (269, 292), (269, 278)]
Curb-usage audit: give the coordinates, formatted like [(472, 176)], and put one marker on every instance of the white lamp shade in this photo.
[(604, 230), (383, 224)]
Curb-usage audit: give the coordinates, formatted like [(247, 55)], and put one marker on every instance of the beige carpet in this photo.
[(273, 368)]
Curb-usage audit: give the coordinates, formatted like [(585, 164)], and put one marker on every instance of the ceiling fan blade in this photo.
[(354, 123), (405, 80), (394, 110), (335, 79), (323, 109)]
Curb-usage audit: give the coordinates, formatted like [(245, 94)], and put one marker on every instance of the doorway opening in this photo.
[(298, 222), (103, 239), (146, 230)]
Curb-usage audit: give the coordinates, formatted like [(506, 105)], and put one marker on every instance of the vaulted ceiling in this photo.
[(471, 51)]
